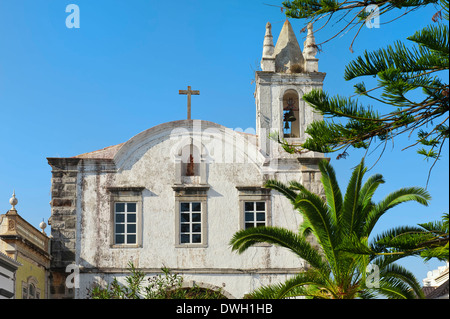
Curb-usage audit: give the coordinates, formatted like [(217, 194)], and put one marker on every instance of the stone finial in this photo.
[(13, 201), (268, 48), (268, 60), (288, 55), (309, 46), (310, 51), (42, 226)]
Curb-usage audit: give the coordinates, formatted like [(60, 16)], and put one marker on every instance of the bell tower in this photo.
[(286, 75)]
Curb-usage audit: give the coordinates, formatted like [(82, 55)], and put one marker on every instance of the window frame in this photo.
[(191, 194), (30, 289), (255, 194), (126, 195)]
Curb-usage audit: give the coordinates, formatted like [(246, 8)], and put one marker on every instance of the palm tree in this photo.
[(339, 224)]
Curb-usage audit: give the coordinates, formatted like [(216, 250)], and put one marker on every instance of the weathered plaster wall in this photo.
[(151, 166)]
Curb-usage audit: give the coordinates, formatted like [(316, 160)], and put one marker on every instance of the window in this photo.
[(30, 290), (191, 216), (254, 206), (125, 215), (191, 223), (254, 214)]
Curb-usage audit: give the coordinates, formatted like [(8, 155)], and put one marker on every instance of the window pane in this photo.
[(185, 218), (196, 238), (196, 207), (260, 217), (185, 239), (131, 218), (196, 228), (249, 225), (131, 228), (196, 217), (120, 207), (261, 206), (120, 218), (249, 217), (120, 239), (260, 224), (185, 228), (120, 228), (131, 207), (184, 207), (249, 206), (131, 239)]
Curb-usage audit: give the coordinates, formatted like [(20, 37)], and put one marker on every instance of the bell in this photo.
[(290, 116), (286, 125)]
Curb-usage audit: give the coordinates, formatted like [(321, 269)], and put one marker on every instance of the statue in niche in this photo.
[(190, 166)]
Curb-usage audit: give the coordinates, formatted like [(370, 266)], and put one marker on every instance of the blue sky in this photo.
[(64, 91)]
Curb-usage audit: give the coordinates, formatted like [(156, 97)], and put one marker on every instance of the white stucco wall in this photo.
[(148, 162)]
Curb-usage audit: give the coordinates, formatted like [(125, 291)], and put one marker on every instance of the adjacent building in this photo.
[(435, 286), (25, 254), (8, 268)]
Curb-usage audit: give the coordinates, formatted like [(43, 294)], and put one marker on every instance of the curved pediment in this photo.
[(217, 144)]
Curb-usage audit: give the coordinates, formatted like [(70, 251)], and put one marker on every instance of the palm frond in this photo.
[(394, 288), (308, 284), (305, 228), (316, 211), (332, 191), (402, 195), (294, 185), (404, 275), (282, 188), (351, 216), (354, 245), (369, 188), (246, 238)]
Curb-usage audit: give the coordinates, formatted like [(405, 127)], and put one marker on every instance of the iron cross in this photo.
[(189, 92)]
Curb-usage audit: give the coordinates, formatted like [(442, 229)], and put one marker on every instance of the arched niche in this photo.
[(291, 114), (190, 160)]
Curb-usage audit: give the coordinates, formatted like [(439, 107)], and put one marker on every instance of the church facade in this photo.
[(175, 194)]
